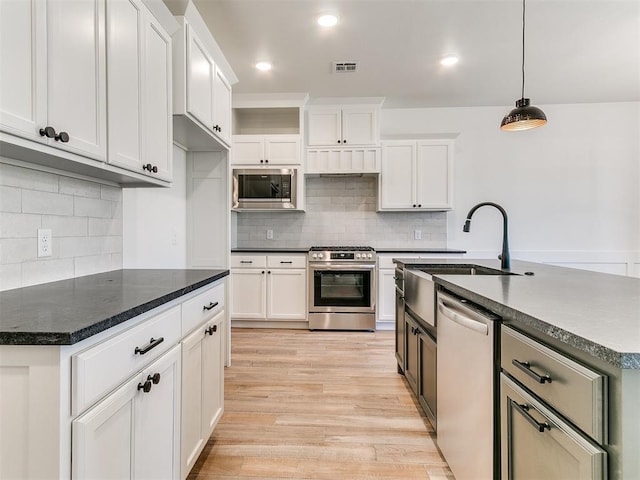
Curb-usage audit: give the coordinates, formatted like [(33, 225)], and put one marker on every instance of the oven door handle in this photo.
[(333, 266)]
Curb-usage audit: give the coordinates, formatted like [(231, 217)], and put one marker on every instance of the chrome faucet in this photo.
[(504, 256)]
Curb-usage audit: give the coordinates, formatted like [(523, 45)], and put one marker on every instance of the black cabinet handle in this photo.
[(524, 411), (217, 128), (282, 261), (155, 378), (526, 368), (210, 306), (62, 137), (145, 387), (153, 343), (48, 132), (246, 261), (150, 168), (211, 330)]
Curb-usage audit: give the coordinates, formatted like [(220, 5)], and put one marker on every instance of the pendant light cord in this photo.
[(523, 17)]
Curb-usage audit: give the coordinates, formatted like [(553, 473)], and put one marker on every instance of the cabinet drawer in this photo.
[(287, 261), (202, 307), (101, 368), (248, 261), (577, 392)]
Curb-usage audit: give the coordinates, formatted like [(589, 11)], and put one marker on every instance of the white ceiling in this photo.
[(577, 51)]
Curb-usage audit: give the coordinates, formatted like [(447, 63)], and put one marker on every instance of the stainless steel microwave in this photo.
[(265, 188)]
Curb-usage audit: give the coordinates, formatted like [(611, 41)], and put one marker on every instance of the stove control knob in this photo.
[(320, 255), (369, 255), (315, 255), (358, 255)]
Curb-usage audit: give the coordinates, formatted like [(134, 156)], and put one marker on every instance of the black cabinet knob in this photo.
[(211, 330), (48, 132), (344, 141), (155, 378), (62, 137), (419, 205), (414, 205), (263, 272), (261, 161), (145, 387), (339, 141), (266, 161)]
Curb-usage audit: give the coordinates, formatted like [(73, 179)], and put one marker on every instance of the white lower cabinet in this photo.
[(132, 433), (132, 402), (269, 287), (202, 388)]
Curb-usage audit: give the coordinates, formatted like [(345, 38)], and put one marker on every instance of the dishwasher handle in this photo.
[(462, 320)]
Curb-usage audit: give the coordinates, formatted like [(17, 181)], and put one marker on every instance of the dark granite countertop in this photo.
[(596, 313), (270, 250), (378, 250), (438, 251), (67, 311)]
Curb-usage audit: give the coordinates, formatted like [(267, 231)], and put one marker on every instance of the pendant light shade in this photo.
[(525, 116)]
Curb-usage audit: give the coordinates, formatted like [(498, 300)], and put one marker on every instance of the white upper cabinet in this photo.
[(202, 94), (266, 150), (416, 175), (53, 87), (139, 90), (347, 125)]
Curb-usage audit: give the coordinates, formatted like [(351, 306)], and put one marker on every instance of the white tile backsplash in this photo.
[(85, 219), (341, 211)]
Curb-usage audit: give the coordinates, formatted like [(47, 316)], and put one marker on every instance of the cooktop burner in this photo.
[(341, 249)]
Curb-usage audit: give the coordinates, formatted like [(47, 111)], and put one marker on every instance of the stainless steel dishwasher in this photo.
[(467, 379)]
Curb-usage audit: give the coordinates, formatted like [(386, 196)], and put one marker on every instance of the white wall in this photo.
[(570, 188), (155, 222)]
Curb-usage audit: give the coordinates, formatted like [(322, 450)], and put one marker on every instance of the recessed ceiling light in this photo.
[(449, 60), (327, 20), (263, 66)]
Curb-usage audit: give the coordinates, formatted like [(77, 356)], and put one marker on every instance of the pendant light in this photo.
[(525, 115)]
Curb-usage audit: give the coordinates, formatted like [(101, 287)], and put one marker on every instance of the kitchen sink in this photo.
[(463, 270)]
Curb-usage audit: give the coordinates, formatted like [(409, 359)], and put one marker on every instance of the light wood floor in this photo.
[(318, 405)]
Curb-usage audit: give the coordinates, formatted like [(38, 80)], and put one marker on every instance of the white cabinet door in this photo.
[(282, 149), (386, 295), (157, 420), (23, 64), (286, 294), (200, 80), (157, 100), (102, 438), (325, 126), (125, 83), (222, 107), (397, 177), (213, 373), (76, 86), (191, 427), (434, 174), (248, 299), (132, 433), (359, 125), (248, 150)]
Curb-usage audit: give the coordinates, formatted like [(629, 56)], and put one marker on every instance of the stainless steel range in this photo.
[(342, 288)]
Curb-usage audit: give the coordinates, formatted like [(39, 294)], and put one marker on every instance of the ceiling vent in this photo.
[(345, 67)]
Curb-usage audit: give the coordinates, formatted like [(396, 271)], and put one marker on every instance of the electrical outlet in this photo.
[(45, 245), (417, 234), (269, 234)]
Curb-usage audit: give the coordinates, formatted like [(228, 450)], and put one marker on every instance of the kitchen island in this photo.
[(590, 319), (121, 371)]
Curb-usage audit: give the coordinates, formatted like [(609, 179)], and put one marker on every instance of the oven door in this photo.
[(342, 288)]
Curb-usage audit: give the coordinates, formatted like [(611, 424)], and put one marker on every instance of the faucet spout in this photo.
[(504, 256)]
